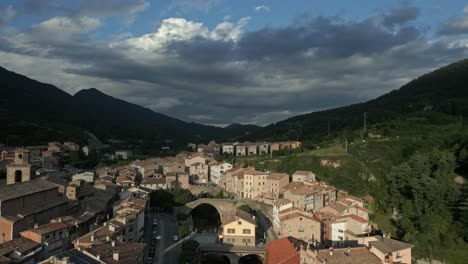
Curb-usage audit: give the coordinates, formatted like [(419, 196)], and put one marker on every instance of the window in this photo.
[(340, 237), (340, 231), (301, 229), (246, 231), (239, 223), (231, 240), (246, 240), (231, 231)]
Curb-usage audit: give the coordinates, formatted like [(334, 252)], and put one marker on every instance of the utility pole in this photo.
[(365, 122)]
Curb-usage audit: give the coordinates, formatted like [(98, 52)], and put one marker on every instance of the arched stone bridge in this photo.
[(224, 206)]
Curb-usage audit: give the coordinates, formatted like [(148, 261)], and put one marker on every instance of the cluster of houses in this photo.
[(46, 218), (214, 149)]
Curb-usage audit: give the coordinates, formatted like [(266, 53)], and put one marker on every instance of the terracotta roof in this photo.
[(48, 228), (281, 251), (298, 188), (359, 255), (387, 245), (277, 176), (357, 218), (280, 202), (128, 252), (12, 191), (354, 198), (304, 173), (254, 172), (20, 244)]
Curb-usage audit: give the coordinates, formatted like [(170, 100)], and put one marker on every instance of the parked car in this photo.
[(176, 237), (158, 237)]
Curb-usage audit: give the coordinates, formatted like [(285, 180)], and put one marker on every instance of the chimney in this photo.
[(389, 235), (92, 237), (107, 238), (112, 228), (115, 255), (113, 243), (65, 260), (330, 251), (60, 219), (105, 223), (98, 257), (36, 225), (390, 258)]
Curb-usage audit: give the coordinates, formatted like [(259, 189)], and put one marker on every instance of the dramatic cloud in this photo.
[(400, 15), (125, 9), (224, 74), (455, 26), (262, 8)]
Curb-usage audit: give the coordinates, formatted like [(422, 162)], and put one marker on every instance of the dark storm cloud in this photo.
[(454, 26), (263, 76), (400, 15)]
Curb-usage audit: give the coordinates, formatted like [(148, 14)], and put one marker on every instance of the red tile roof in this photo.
[(281, 251)]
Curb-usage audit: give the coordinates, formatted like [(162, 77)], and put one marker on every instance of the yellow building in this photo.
[(238, 229), (254, 183)]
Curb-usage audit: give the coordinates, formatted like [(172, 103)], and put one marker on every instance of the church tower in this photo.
[(20, 171)]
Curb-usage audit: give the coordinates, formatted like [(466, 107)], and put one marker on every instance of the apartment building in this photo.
[(254, 183)]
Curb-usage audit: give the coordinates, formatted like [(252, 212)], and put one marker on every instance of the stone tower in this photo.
[(20, 171)]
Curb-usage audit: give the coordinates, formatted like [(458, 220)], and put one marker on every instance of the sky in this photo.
[(219, 62)]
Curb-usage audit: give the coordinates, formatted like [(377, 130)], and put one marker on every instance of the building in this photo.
[(26, 203), (347, 230), (301, 225), (389, 250), (228, 149), (115, 252), (73, 256), (263, 148), (124, 154), (154, 183), (341, 256), (275, 183), (79, 189), (241, 150), (254, 183), (252, 149), (20, 250), (183, 179), (281, 251), (232, 180), (238, 229), (303, 196), (87, 176), (53, 238), (216, 169), (20, 170), (300, 176), (280, 206)]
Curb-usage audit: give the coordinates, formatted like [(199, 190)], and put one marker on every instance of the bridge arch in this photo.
[(251, 259)]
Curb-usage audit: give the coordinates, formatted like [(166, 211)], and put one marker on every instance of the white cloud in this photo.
[(180, 29), (262, 8)]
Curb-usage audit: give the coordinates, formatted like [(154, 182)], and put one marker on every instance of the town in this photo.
[(53, 212)]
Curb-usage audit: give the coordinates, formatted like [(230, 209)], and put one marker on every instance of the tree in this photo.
[(189, 251), (183, 196)]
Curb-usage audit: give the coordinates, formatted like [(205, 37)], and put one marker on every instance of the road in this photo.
[(168, 228)]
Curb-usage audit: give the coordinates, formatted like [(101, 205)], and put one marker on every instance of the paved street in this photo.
[(167, 227)]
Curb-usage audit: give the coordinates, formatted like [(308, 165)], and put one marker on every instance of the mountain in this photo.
[(443, 90), (32, 112)]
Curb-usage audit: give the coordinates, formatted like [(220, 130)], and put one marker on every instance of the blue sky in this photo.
[(220, 62)]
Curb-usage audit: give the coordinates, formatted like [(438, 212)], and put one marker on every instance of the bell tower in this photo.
[(20, 171)]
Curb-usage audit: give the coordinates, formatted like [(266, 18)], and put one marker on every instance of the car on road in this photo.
[(149, 260), (176, 237), (261, 242), (158, 237)]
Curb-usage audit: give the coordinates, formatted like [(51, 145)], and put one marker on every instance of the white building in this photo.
[(124, 154), (216, 169), (228, 148), (87, 176), (300, 176), (279, 206), (338, 228)]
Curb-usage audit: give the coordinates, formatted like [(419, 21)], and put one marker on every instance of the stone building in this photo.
[(53, 238), (20, 171), (26, 203)]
